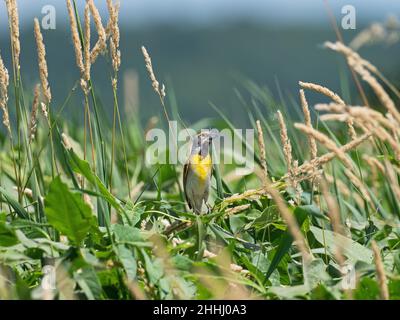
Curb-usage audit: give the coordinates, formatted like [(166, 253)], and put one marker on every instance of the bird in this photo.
[(197, 171)]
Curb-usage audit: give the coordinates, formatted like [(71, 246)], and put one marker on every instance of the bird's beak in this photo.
[(213, 134)]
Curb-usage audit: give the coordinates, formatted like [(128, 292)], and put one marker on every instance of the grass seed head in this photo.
[(307, 121), (380, 271), (87, 44), (12, 10), (101, 44), (262, 148), (4, 82), (43, 72), (33, 117), (75, 37)]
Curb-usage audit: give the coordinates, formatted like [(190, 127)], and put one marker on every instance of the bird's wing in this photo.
[(185, 174), (207, 191)]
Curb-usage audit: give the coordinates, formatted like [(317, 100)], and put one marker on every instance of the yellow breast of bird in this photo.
[(201, 166)]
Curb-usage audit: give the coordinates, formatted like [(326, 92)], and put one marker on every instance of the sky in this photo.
[(200, 12)]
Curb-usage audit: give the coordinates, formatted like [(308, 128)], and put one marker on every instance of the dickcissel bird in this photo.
[(198, 170)]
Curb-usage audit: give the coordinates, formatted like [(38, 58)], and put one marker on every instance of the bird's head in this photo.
[(202, 142)]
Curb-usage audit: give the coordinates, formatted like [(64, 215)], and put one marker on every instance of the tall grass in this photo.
[(323, 196)]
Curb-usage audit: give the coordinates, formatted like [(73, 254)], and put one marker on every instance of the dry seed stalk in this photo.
[(310, 166), (43, 72), (328, 143), (87, 44), (380, 271), (33, 118), (359, 114), (370, 115), (351, 131), (332, 107), (363, 68), (350, 54), (334, 97), (341, 117), (237, 209), (323, 90), (4, 82), (307, 121), (101, 43), (374, 162), (287, 147), (382, 134), (115, 34), (245, 195), (45, 112), (13, 19), (262, 149), (154, 83), (75, 37), (379, 91)]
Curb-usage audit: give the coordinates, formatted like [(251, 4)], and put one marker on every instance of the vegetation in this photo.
[(83, 202)]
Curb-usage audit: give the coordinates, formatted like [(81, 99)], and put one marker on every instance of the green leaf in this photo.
[(367, 289), (394, 289), (14, 204), (67, 212), (351, 249), (133, 212), (322, 292), (127, 259), (314, 273), (313, 210), (286, 242), (182, 262), (7, 236), (126, 234), (265, 218), (89, 283), (82, 167), (289, 292), (154, 268)]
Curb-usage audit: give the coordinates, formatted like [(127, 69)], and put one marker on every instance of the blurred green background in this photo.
[(205, 52)]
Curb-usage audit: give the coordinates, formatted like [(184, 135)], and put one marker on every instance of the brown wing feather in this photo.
[(185, 173)]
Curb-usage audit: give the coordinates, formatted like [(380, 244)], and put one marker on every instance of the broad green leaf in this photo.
[(67, 212), (127, 259), (154, 268), (261, 262), (126, 234), (351, 249), (89, 283), (314, 273), (182, 262)]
